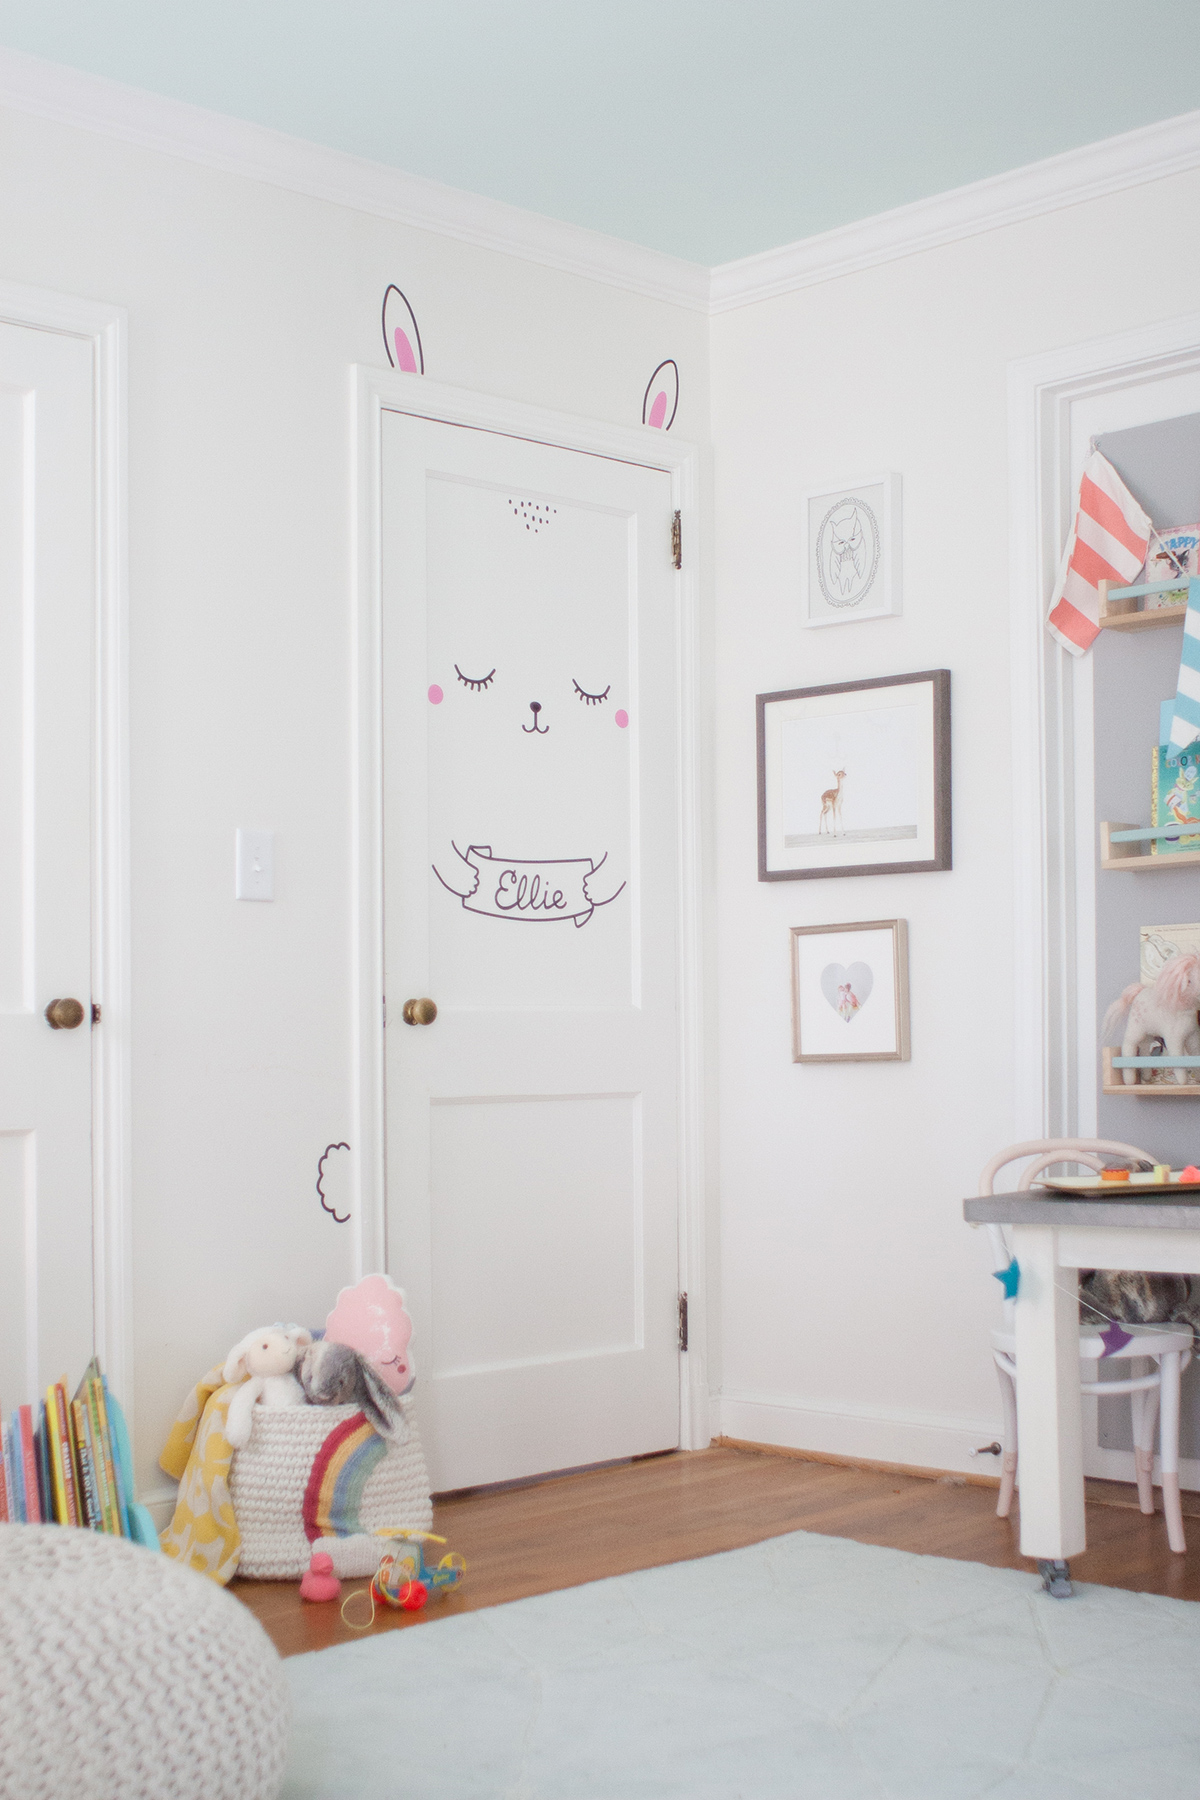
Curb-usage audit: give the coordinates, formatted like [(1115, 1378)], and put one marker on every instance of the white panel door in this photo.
[(530, 879), (47, 586)]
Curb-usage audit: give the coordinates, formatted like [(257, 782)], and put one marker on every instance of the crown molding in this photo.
[(1167, 148), (176, 128)]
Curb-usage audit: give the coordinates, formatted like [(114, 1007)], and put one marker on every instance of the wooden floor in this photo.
[(574, 1528)]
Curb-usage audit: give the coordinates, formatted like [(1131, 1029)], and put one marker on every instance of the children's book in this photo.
[(1175, 552), (41, 1445), (13, 1468), (5, 1513), (115, 1519), (120, 1482), (67, 1457), (93, 1517), (29, 1480), (1174, 789)]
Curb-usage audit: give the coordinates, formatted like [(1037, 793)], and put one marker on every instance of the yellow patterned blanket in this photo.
[(203, 1533)]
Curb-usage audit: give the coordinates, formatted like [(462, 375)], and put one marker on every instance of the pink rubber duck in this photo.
[(319, 1582)]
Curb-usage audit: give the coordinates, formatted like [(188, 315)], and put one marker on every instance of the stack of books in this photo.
[(70, 1464)]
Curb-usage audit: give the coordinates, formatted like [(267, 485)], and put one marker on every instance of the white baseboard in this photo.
[(160, 1504), (878, 1434)]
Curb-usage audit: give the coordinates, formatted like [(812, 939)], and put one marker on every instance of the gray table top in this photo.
[(1034, 1208)]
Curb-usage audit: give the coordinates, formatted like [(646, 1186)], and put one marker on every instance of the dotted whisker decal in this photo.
[(533, 514)]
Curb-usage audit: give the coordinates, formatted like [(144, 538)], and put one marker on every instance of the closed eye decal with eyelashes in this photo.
[(590, 699), (475, 683)]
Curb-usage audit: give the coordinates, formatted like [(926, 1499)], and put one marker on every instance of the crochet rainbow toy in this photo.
[(340, 1472)]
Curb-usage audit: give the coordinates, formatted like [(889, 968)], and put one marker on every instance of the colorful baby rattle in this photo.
[(404, 1579)]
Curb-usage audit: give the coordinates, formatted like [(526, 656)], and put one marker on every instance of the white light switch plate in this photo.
[(255, 868)]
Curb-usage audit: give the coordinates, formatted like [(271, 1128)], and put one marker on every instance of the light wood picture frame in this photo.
[(850, 992), (854, 778)]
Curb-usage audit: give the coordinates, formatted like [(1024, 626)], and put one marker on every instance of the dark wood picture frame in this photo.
[(939, 680)]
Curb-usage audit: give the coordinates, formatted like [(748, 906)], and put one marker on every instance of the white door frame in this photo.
[(1056, 1022), (105, 327), (376, 391), (1053, 847)]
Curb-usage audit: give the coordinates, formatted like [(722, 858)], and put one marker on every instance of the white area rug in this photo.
[(804, 1668)]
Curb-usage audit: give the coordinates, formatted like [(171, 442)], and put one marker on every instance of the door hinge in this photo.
[(683, 1322), (383, 1010), (676, 542)]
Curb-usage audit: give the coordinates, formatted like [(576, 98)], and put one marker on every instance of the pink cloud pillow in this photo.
[(372, 1317)]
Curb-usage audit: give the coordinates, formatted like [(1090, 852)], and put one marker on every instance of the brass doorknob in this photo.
[(65, 1015), (419, 1012)]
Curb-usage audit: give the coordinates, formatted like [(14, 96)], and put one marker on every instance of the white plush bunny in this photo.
[(263, 1362)]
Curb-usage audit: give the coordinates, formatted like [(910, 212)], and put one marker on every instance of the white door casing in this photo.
[(1056, 401), (63, 786), (510, 980)]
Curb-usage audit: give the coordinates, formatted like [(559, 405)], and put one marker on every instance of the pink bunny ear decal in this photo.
[(661, 400), (401, 338)]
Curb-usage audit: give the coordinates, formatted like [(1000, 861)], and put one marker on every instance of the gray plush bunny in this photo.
[(335, 1375)]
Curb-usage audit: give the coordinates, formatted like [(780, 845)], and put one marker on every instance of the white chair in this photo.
[(1157, 1357)]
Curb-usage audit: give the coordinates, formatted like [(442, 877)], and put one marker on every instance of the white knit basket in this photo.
[(269, 1477)]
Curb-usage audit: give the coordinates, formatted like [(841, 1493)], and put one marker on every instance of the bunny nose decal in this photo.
[(535, 707)]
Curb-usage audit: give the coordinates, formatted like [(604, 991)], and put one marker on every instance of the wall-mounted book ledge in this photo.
[(1120, 608), (1128, 847), (1145, 1087)]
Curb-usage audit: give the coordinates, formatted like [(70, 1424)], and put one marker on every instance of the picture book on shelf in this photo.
[(1174, 789), (1174, 552)]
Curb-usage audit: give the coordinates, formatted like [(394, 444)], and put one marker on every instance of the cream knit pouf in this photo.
[(124, 1676), (267, 1482)]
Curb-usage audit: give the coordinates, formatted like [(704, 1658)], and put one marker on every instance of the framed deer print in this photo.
[(850, 992), (854, 778)]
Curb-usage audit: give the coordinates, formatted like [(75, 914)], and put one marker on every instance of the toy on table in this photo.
[(263, 1362), (319, 1581), (404, 1579)]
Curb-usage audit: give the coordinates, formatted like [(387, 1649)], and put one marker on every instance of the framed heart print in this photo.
[(850, 992)]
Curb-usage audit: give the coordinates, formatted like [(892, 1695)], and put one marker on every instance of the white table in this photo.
[(1052, 1239)]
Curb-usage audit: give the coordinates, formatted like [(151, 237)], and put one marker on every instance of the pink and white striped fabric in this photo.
[(1108, 542)]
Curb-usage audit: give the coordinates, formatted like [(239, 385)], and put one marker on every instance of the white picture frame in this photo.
[(853, 550), (850, 992)]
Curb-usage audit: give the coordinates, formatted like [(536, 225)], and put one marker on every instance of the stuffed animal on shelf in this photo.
[(263, 1362), (333, 1374), (1165, 1008)]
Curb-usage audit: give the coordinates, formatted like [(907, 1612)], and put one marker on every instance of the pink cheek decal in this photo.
[(436, 695), (621, 717)]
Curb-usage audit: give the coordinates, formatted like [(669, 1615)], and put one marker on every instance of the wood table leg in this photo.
[(1049, 1407)]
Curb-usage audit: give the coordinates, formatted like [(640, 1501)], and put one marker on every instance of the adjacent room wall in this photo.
[(856, 1303), (247, 305)]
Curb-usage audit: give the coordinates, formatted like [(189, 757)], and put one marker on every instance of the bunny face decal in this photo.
[(529, 709)]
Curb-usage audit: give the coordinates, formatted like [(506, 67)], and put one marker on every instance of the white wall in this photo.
[(247, 305), (856, 1303)]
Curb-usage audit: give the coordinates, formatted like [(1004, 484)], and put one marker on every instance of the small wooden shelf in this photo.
[(1147, 1090), (1125, 614), (1135, 856)]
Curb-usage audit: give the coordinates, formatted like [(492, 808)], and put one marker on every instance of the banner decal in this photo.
[(506, 887)]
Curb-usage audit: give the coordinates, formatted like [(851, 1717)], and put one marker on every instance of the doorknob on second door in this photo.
[(65, 1015), (419, 1012)]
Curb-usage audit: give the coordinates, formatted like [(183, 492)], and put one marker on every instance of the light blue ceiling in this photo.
[(708, 128)]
